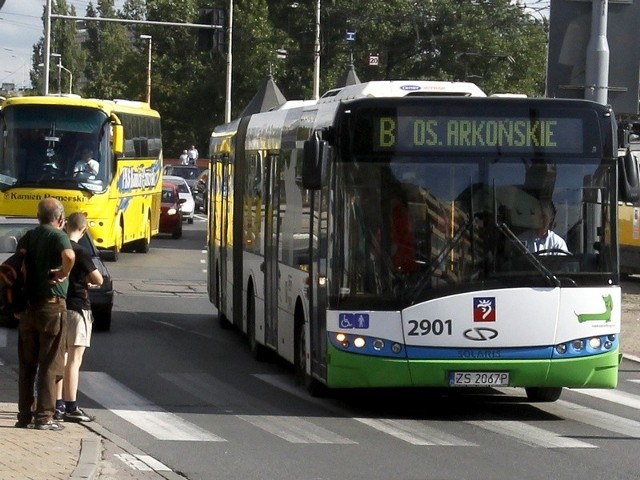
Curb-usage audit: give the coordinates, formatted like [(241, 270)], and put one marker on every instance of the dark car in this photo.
[(190, 173), (201, 192), (170, 212), (12, 229)]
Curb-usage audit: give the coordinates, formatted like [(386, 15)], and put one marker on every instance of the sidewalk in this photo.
[(31, 454), (77, 452)]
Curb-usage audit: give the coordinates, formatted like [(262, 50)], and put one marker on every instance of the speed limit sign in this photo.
[(374, 59)]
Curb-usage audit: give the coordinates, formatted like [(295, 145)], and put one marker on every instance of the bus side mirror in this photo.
[(118, 139), (315, 157), (628, 178)]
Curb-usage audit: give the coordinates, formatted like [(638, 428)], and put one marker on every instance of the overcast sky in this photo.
[(20, 28)]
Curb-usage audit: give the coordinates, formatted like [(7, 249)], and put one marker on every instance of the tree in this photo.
[(107, 46), (63, 41), (495, 43)]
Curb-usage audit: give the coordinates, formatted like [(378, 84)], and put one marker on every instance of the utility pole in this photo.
[(597, 64), (316, 56), (148, 85), (229, 33), (47, 46)]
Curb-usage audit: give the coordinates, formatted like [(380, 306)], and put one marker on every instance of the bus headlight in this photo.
[(378, 344), (577, 345), (359, 342), (561, 349), (396, 348), (341, 337), (595, 343)]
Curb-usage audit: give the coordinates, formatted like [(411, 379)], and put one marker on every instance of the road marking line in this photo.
[(634, 380), (596, 418), (153, 463), (133, 462), (139, 411), (616, 396), (415, 432), (295, 429), (530, 435)]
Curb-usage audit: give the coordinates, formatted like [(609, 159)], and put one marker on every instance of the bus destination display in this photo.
[(474, 134)]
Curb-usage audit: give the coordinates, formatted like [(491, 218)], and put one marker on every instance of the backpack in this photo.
[(13, 294)]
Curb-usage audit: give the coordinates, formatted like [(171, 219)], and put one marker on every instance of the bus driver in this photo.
[(86, 164), (543, 239)]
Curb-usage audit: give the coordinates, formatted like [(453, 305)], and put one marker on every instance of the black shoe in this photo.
[(49, 426), (58, 416), (20, 424), (78, 415)]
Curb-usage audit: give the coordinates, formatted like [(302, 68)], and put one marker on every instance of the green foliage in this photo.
[(494, 43)]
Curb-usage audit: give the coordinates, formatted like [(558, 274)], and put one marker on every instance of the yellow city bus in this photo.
[(43, 139)]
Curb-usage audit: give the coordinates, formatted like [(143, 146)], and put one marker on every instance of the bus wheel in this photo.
[(543, 394), (258, 351), (313, 386), (300, 366), (117, 245), (142, 245), (223, 321)]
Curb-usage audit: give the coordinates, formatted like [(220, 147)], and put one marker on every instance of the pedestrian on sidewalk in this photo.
[(83, 276), (42, 328), (192, 153), (184, 158)]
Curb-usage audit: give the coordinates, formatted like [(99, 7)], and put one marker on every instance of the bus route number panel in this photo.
[(479, 379)]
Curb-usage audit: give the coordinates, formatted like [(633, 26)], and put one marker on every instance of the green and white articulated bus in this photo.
[(375, 238)]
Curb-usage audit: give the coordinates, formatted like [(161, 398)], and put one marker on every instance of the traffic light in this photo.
[(220, 34), (215, 40), (205, 37)]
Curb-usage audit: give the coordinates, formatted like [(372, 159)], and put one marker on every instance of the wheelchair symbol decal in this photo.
[(354, 320)]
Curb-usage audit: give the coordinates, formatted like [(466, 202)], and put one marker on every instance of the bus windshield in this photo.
[(415, 228), (54, 146)]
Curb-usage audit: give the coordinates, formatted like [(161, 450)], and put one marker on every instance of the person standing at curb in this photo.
[(84, 274), (43, 326)]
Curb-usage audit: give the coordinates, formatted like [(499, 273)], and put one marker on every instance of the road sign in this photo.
[(374, 59)]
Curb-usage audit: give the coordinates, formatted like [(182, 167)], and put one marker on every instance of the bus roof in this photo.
[(124, 106), (402, 88)]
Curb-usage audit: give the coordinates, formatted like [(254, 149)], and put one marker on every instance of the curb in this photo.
[(120, 443), (90, 455), (633, 358)]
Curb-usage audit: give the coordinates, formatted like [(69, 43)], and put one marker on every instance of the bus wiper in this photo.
[(424, 280), (544, 271), (551, 279)]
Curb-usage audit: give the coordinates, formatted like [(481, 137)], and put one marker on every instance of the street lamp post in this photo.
[(316, 55), (148, 86), (59, 57), (70, 76)]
